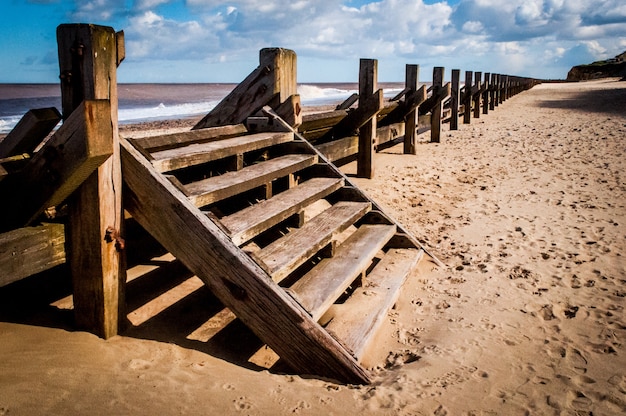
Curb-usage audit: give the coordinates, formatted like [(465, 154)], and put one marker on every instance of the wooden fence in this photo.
[(79, 166)]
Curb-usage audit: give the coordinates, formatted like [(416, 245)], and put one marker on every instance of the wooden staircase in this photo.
[(279, 234)]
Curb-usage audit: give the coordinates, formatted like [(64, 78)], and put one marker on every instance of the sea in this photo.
[(153, 102)]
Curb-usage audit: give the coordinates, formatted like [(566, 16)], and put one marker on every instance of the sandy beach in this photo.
[(526, 207)]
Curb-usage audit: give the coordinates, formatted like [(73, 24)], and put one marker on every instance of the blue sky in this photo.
[(218, 41)]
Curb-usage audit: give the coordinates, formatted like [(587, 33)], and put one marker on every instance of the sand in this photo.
[(525, 206)]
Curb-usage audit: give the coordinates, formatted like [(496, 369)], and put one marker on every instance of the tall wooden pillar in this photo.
[(455, 93), (435, 116), (467, 98), (492, 92), (478, 76), (368, 85), (411, 121), (486, 93), (88, 60)]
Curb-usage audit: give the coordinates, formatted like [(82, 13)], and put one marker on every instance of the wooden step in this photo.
[(321, 287), (197, 153), (357, 320), (283, 256), (252, 221), (214, 189)]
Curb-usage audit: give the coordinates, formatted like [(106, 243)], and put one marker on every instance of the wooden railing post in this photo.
[(435, 117), (492, 92), (467, 98), (410, 131), (368, 86), (478, 76), (454, 99), (88, 59), (486, 94)]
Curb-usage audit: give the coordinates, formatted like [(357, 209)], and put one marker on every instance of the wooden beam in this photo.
[(271, 83), (477, 95), (81, 145), (435, 120), (88, 58), (485, 93), (368, 87), (368, 108), (30, 250), (455, 99), (411, 81), (317, 121), (172, 140), (467, 98), (492, 92), (30, 131), (231, 275)]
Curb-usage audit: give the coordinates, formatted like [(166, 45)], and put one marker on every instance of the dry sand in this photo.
[(526, 206)]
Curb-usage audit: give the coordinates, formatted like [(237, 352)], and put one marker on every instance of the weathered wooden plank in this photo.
[(339, 149), (194, 154), (216, 188), (74, 152), (477, 95), (284, 255), (30, 250), (357, 118), (318, 289), (169, 141), (348, 102), (391, 132), (357, 320), (30, 131), (485, 93), (231, 275), (368, 87), (88, 58), (323, 120), (273, 80), (250, 222)]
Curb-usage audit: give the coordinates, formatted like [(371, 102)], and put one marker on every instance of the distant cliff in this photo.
[(615, 67)]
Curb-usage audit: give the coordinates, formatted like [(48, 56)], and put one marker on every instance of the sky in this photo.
[(219, 41)]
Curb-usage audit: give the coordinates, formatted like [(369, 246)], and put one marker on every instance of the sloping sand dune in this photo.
[(526, 206)]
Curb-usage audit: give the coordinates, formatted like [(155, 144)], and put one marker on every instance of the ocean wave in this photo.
[(314, 95)]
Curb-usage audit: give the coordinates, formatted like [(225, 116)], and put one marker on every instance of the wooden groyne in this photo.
[(230, 198)]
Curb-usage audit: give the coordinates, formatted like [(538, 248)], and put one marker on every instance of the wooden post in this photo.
[(88, 58), (454, 99), (492, 92), (368, 86), (410, 132), (435, 117), (467, 98), (486, 94), (477, 83)]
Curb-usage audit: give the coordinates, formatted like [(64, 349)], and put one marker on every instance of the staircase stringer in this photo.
[(274, 316)]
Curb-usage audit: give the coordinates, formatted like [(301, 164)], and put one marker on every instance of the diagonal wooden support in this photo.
[(80, 146), (29, 132), (367, 109), (231, 275), (272, 83)]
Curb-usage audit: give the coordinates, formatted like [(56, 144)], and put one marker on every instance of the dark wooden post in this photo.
[(410, 131), (455, 93), (492, 92), (88, 59), (478, 76), (368, 85), (467, 101), (435, 116), (486, 94)]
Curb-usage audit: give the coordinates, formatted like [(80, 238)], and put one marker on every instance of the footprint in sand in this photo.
[(242, 403)]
